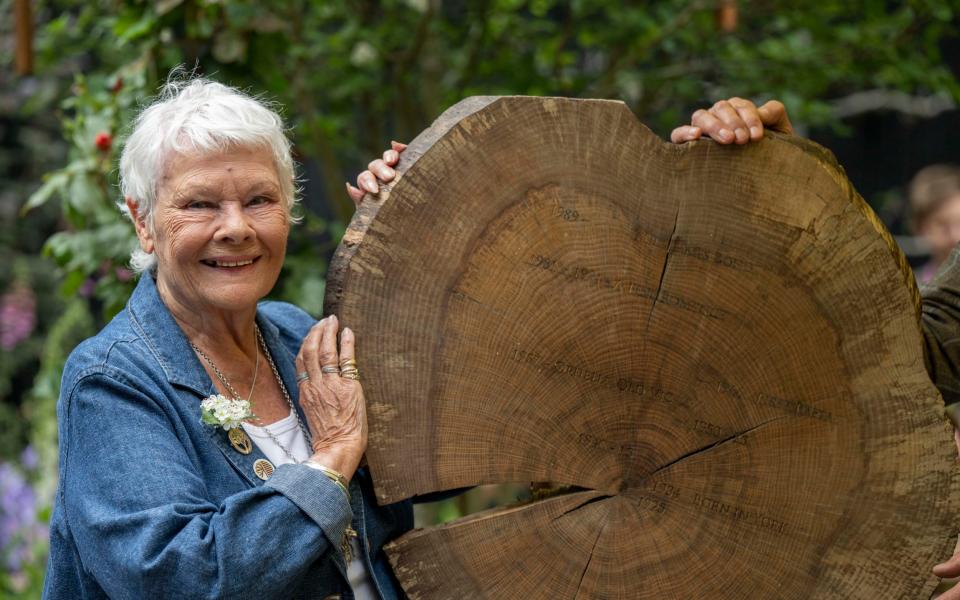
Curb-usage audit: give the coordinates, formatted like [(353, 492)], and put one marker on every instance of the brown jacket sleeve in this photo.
[(941, 328)]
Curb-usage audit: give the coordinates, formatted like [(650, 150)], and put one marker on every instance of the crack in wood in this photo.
[(663, 270), (589, 560), (582, 504), (716, 444)]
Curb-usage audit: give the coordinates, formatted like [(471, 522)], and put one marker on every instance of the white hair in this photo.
[(195, 115)]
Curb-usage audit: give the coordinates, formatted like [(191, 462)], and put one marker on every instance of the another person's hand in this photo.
[(334, 406), (381, 169), (951, 567), (948, 570), (734, 121)]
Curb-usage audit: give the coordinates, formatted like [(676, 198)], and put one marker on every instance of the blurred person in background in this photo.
[(934, 195)]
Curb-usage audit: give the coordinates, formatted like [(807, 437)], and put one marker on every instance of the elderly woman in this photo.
[(210, 446)]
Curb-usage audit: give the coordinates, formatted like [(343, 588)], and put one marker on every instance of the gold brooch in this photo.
[(240, 440), (263, 468)]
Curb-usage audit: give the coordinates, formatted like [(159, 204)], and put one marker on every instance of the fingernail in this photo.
[(756, 132), (386, 173), (347, 184), (742, 134), (725, 134)]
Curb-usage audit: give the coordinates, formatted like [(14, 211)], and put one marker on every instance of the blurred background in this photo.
[(874, 80)]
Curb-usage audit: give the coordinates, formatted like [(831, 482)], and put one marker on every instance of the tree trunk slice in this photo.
[(720, 344)]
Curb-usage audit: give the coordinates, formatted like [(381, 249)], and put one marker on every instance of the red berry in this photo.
[(117, 85), (103, 141)]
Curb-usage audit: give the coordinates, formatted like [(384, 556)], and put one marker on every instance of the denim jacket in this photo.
[(152, 503)]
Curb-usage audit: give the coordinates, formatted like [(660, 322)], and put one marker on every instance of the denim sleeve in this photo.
[(941, 329), (141, 515)]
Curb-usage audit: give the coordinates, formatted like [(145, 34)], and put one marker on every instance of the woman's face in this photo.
[(219, 230)]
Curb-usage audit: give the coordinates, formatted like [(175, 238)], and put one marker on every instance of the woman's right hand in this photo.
[(380, 169), (734, 121), (334, 406)]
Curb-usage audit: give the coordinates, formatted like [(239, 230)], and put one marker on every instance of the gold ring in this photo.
[(350, 362), (354, 375)]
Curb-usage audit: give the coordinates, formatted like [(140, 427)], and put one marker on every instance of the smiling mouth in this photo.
[(229, 264)]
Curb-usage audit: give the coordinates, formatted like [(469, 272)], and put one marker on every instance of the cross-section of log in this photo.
[(719, 345)]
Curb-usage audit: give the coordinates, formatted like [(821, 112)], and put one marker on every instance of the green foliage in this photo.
[(38, 426), (95, 245), (28, 308), (350, 73)]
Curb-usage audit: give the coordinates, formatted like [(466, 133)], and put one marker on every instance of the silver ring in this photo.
[(330, 369), (302, 376)]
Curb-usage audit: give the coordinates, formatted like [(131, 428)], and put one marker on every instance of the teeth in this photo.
[(220, 263)]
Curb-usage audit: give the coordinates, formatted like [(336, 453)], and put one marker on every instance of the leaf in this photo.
[(53, 184), (127, 28), (207, 417), (85, 195)]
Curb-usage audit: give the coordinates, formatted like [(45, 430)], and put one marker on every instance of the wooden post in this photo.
[(24, 32), (719, 347)]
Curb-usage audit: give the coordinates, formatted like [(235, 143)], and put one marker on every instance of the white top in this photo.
[(289, 434)]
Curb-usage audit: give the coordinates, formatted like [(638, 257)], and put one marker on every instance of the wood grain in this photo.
[(719, 345)]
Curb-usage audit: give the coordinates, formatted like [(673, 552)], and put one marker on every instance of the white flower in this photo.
[(218, 410)]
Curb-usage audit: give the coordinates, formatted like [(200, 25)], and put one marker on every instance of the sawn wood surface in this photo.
[(719, 346)]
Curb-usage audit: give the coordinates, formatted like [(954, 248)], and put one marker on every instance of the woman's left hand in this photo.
[(333, 403), (379, 169)]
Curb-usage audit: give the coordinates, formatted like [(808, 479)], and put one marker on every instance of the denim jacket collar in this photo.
[(165, 340), (170, 346)]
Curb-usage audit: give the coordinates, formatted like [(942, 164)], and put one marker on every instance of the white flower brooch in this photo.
[(220, 411)]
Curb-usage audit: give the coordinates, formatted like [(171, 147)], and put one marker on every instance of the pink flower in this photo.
[(89, 285), (18, 316)]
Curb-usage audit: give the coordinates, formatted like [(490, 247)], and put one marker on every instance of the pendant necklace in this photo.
[(238, 437)]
